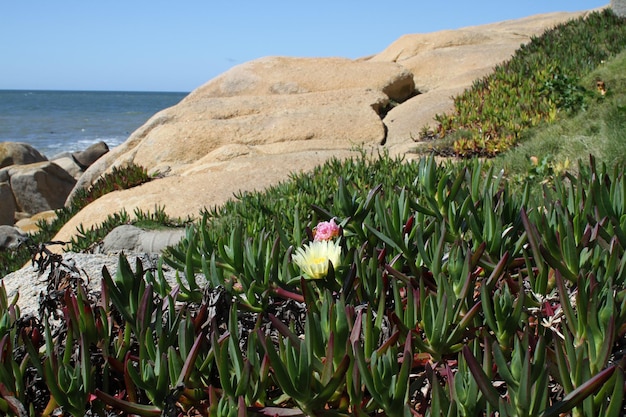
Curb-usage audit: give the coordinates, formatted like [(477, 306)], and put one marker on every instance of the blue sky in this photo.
[(138, 45)]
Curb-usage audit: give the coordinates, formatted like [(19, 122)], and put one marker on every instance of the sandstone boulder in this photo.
[(38, 187), (260, 121), (405, 122), (270, 105), (75, 163), (16, 153), (31, 224), (269, 124), (208, 186), (44, 186), (286, 76), (69, 165)]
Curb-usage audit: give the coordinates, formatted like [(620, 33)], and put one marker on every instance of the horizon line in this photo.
[(80, 90)]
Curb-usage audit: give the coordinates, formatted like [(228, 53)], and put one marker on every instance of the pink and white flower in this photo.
[(325, 231)]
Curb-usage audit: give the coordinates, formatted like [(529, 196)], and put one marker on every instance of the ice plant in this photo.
[(326, 230), (313, 258)]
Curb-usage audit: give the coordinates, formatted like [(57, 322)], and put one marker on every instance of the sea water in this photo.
[(58, 121)]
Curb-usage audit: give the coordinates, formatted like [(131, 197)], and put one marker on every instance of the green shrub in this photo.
[(120, 178)]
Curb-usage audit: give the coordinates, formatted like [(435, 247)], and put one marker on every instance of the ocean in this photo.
[(58, 121)]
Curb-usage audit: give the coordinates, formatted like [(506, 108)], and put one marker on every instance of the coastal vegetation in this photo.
[(469, 287), (541, 81)]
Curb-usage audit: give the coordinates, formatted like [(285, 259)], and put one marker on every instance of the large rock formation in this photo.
[(257, 123), (270, 105)]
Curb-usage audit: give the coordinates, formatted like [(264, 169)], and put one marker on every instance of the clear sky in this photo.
[(139, 45)]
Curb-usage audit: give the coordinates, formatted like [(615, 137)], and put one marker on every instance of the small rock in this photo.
[(129, 238), (122, 238), (155, 241), (11, 237), (90, 155)]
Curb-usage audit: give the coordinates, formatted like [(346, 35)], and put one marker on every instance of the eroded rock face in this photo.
[(286, 76), (257, 123), (202, 126)]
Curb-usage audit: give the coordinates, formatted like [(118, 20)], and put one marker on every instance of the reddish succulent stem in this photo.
[(283, 293)]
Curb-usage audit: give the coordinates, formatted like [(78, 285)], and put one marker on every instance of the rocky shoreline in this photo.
[(31, 184)]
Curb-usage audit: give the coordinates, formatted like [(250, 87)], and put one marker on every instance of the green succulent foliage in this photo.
[(12, 371), (448, 282), (442, 259)]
